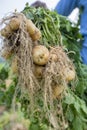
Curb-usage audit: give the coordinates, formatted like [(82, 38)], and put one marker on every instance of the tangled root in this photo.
[(55, 72), (20, 44), (48, 89), (55, 83)]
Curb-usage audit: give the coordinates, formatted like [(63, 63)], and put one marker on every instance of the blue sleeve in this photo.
[(83, 52), (83, 21), (65, 7), (83, 30)]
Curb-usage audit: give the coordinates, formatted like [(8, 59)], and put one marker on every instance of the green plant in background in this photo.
[(7, 86), (14, 120), (75, 111)]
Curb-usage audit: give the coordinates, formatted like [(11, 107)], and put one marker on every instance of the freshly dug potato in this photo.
[(57, 91), (40, 55), (69, 74), (53, 57), (14, 25), (10, 27), (36, 35), (5, 32), (38, 71), (33, 30)]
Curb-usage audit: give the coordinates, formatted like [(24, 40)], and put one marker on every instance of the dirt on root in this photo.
[(21, 45)]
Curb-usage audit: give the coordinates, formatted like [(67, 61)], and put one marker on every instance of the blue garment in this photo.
[(65, 7)]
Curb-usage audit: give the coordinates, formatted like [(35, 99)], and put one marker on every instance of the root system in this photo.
[(20, 45)]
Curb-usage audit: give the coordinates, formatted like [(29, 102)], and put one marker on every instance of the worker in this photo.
[(65, 7), (38, 4)]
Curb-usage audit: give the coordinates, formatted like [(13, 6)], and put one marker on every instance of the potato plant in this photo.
[(64, 76)]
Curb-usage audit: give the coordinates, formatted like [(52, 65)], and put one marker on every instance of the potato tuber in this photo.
[(10, 27), (57, 91), (16, 22), (40, 55), (33, 30)]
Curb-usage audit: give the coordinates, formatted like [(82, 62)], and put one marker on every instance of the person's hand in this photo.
[(84, 54)]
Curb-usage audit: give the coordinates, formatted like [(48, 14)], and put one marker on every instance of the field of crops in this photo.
[(43, 82)]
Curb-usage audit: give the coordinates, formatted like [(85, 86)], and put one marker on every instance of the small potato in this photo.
[(14, 23), (38, 71), (33, 31), (69, 74), (53, 57), (57, 90), (5, 32), (36, 35), (40, 55), (10, 27)]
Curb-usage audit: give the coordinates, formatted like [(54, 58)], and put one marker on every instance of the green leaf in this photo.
[(70, 114), (34, 127), (77, 106), (3, 74), (77, 124), (69, 99), (68, 26)]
